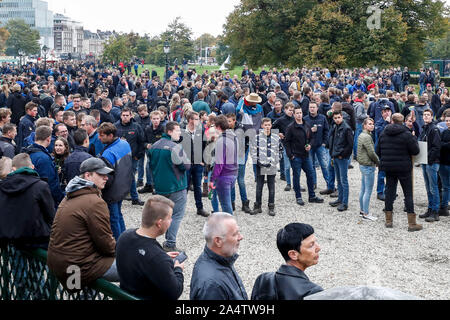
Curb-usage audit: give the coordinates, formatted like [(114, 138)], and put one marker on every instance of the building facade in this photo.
[(34, 12), (68, 35)]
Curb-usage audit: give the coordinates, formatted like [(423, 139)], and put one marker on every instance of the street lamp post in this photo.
[(44, 51), (166, 51), (21, 54)]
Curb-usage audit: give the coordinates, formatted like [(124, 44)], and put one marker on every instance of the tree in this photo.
[(117, 49), (4, 35), (222, 51), (333, 32), (179, 37), (440, 48), (142, 47), (205, 40), (22, 38)]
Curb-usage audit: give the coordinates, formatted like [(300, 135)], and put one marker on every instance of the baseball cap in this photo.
[(132, 94), (385, 107), (95, 165)]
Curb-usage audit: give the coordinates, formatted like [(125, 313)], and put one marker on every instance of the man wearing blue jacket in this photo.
[(43, 161), (117, 155)]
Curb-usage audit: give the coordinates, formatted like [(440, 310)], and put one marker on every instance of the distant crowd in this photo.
[(79, 138)]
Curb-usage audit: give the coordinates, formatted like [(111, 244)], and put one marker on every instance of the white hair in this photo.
[(270, 95), (214, 226)]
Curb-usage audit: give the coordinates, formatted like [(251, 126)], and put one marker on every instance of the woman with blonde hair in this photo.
[(4, 94)]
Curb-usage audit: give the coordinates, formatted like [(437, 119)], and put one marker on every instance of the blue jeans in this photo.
[(305, 164), (140, 169), (331, 174), (422, 88), (196, 174), (444, 172), (287, 167), (341, 168), (241, 184), (133, 191), (367, 182), (380, 181), (322, 157), (179, 198), (223, 189), (430, 175), (116, 219), (359, 129)]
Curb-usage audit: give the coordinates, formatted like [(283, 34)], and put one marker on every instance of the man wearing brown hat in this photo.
[(81, 238)]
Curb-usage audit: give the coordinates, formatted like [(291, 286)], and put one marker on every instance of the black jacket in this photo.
[(153, 135), (74, 161), (445, 148), (282, 123), (340, 142), (16, 102), (7, 148), (395, 147), (134, 135), (106, 116), (288, 283), (430, 134), (296, 138), (27, 208)]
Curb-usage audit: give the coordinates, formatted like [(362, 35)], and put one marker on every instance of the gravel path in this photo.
[(353, 252)]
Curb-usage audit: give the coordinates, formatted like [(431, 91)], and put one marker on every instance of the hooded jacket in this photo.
[(27, 208), (81, 234), (431, 135), (395, 147)]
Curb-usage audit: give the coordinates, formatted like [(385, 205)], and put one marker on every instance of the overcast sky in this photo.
[(146, 16)]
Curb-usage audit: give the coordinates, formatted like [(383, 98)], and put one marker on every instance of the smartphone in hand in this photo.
[(181, 257)]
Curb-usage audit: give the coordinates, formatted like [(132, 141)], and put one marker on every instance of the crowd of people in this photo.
[(78, 139)]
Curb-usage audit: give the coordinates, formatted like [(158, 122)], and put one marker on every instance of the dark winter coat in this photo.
[(297, 137), (340, 142), (430, 134), (74, 161), (16, 102), (395, 148), (134, 135), (27, 208)]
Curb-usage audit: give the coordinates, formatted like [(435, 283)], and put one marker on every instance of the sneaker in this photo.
[(369, 217), (326, 192), (140, 184), (137, 202), (335, 194), (381, 197), (166, 248), (315, 200), (342, 207), (335, 203), (146, 189), (300, 202), (288, 188), (362, 214)]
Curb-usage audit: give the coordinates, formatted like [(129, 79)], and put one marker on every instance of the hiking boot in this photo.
[(137, 202), (426, 214), (146, 189), (389, 219), (256, 209), (335, 194), (282, 177), (335, 203), (140, 184), (443, 212), (433, 217), (205, 190), (202, 212), (342, 207), (326, 192), (412, 225), (246, 206), (381, 197), (271, 209), (288, 188)]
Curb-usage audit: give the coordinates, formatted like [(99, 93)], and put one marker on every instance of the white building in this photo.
[(68, 35), (34, 12)]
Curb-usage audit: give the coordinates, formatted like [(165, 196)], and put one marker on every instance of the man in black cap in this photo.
[(81, 233), (300, 249)]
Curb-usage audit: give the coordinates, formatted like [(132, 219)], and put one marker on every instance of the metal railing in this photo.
[(24, 275)]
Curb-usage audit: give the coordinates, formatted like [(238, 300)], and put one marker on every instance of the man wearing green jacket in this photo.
[(169, 164)]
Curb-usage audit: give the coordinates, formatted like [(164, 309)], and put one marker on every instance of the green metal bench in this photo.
[(24, 275)]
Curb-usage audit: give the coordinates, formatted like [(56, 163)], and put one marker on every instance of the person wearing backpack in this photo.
[(299, 247)]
